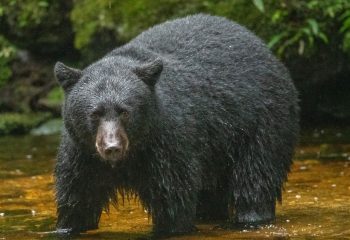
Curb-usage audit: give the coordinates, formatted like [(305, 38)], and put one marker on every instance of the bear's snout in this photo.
[(111, 141)]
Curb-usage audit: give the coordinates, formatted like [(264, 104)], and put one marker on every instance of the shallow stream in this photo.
[(316, 201)]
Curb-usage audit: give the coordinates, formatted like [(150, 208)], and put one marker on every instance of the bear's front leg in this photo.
[(171, 199), (82, 189), (171, 218)]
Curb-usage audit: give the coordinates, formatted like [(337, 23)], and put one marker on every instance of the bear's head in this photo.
[(109, 106)]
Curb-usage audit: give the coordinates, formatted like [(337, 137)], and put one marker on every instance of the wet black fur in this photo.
[(213, 125)]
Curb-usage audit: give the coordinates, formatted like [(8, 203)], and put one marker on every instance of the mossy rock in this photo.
[(53, 126), (19, 123)]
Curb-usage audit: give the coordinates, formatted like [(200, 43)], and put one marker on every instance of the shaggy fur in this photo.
[(213, 121)]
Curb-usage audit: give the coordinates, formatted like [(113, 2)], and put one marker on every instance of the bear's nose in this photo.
[(112, 149)]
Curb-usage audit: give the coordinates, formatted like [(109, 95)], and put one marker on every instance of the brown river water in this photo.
[(316, 200)]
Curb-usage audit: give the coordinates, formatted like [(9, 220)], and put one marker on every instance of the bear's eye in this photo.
[(96, 114), (124, 114)]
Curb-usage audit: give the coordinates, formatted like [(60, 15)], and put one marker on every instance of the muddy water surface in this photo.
[(316, 201)]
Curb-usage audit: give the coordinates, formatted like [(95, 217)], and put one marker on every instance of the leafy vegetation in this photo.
[(291, 27), (54, 97), (7, 52), (303, 26)]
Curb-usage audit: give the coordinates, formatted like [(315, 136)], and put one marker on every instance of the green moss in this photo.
[(19, 123), (53, 126), (7, 52), (54, 97)]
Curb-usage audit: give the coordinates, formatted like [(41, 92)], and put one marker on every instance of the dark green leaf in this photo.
[(314, 25)]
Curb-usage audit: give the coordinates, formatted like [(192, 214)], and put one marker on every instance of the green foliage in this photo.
[(24, 13), (302, 27), (126, 19), (20, 123), (54, 97), (41, 26), (291, 27), (90, 17), (260, 5), (345, 28), (7, 52)]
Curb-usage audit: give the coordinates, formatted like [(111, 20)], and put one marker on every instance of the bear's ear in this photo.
[(149, 72), (66, 76)]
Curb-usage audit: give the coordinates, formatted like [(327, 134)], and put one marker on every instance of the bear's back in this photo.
[(199, 35), (209, 57), (212, 49)]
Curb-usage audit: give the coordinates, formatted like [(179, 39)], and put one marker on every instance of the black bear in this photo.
[(195, 116)]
